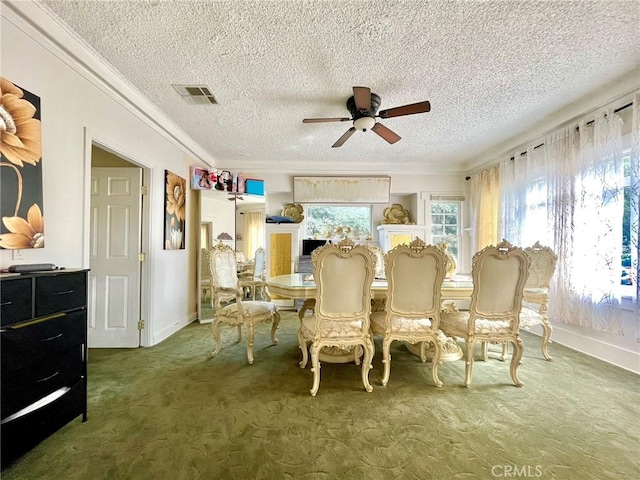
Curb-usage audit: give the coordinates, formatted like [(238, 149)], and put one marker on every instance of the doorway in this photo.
[(116, 225)]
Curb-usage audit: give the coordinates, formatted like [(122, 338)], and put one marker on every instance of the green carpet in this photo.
[(173, 412)]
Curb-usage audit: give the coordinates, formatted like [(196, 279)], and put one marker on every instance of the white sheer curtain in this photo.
[(568, 194), (253, 232)]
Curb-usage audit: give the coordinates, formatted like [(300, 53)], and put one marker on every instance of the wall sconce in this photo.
[(224, 236)]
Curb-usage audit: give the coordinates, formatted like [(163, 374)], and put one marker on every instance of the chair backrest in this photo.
[(378, 257), (499, 274), (343, 273), (259, 264), (415, 273), (543, 264), (223, 266)]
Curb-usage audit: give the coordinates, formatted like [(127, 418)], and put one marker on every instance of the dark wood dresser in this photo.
[(43, 349)]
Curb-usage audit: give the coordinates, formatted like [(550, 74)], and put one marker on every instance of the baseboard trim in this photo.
[(615, 354), (171, 329)]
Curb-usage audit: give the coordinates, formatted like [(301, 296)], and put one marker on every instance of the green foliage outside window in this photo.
[(323, 220)]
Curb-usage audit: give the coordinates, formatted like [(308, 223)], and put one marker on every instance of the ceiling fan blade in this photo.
[(344, 137), (389, 135), (362, 97), (322, 120), (420, 107)]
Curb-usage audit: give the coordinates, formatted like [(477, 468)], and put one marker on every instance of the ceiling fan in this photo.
[(234, 196), (363, 106)]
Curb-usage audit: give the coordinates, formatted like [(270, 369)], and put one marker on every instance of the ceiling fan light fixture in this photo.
[(364, 123)]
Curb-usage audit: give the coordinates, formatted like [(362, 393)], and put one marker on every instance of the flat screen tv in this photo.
[(310, 245)]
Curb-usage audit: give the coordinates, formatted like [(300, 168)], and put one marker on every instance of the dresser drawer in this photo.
[(15, 301), (24, 387), (23, 433), (23, 346), (60, 292)]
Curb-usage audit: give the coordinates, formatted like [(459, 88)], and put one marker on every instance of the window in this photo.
[(629, 234), (534, 228), (446, 223), (330, 221)]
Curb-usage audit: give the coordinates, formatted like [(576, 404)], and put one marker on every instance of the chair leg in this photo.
[(216, 338), (250, 338), (304, 348), (468, 362), (505, 351), (423, 351), (484, 351), (546, 335), (366, 363), (436, 361), (315, 368), (239, 333), (274, 327), (386, 359), (357, 353), (518, 350)]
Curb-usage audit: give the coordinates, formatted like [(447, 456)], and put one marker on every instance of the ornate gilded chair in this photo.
[(257, 281), (343, 274), (499, 274), (536, 294), (206, 283), (378, 257), (228, 304), (415, 273)]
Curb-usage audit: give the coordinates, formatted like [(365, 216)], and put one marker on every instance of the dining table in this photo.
[(301, 286)]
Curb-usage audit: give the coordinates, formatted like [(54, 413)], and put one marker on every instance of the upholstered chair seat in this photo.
[(250, 309), (333, 328), (458, 323), (399, 324), (529, 317)]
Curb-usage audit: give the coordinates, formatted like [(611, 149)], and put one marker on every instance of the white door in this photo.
[(114, 279)]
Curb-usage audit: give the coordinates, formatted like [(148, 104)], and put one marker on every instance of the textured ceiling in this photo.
[(491, 70)]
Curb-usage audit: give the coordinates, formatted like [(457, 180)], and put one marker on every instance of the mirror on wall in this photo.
[(236, 220)]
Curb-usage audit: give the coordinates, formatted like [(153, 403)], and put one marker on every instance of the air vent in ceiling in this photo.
[(196, 94)]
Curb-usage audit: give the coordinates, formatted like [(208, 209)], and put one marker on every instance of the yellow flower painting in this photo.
[(27, 233), (21, 137), (174, 214), (21, 196)]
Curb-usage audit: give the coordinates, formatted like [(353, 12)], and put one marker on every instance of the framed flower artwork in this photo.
[(21, 197), (174, 211)]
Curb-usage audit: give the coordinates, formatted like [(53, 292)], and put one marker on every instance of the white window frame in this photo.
[(462, 258)]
